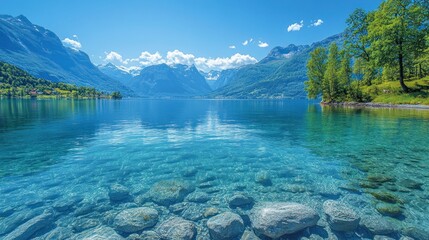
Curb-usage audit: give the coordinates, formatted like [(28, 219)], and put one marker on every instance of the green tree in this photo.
[(330, 84), (396, 34), (345, 74), (316, 68)]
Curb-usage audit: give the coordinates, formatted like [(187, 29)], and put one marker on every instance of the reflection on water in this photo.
[(375, 160)]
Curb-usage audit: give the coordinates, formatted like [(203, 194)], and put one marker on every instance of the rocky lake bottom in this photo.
[(158, 169)]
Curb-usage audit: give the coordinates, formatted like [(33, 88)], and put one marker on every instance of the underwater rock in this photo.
[(411, 184), (118, 193), (26, 230), (380, 237), (226, 225), (198, 197), (239, 199), (340, 217), (392, 210), (263, 178), (386, 197), (82, 224), (150, 235), (377, 225), (176, 228), (9, 223), (378, 178), (58, 233), (193, 212), (101, 232), (277, 219), (85, 209), (416, 233), (211, 211), (135, 219), (170, 191), (249, 235)]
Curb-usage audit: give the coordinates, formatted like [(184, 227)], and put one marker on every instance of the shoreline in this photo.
[(376, 105)]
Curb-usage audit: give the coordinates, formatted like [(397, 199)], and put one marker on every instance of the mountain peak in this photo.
[(23, 19)]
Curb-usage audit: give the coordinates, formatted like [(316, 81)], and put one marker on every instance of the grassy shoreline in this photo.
[(376, 105)]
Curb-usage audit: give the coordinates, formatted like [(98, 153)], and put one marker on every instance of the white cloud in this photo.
[(246, 42), (178, 57), (232, 47), (262, 44), (72, 43), (146, 58), (317, 23), (235, 61), (295, 26), (113, 56), (75, 36)]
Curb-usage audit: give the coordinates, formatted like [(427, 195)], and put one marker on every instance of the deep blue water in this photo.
[(52, 151)]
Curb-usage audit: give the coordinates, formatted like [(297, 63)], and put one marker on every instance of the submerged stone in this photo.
[(411, 184), (249, 235), (416, 233), (263, 178), (227, 225), (211, 211), (340, 217), (26, 230), (99, 233), (386, 197), (239, 200), (198, 197), (135, 219), (377, 225), (118, 192), (170, 191), (392, 210), (176, 228), (81, 224), (150, 235), (277, 219)]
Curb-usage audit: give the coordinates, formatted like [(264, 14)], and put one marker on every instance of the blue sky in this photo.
[(186, 31)]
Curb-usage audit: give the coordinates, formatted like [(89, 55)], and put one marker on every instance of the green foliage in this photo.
[(15, 82), (387, 45), (116, 95), (316, 68), (331, 80), (397, 34)]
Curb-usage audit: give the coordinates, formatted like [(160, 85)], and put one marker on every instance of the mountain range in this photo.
[(41, 53), (281, 74)]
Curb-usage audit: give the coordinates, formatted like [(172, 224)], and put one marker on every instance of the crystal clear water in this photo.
[(53, 152)]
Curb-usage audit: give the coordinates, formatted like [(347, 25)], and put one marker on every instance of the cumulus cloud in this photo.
[(72, 43), (147, 58), (75, 36), (235, 61), (178, 57), (232, 47), (317, 23), (113, 56), (262, 44), (295, 26)]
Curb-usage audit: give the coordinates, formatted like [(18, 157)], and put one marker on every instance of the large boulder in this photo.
[(176, 228), (277, 219), (135, 219), (239, 200), (340, 217), (26, 230), (227, 225), (169, 192)]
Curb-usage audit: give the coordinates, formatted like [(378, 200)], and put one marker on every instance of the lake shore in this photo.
[(376, 105)]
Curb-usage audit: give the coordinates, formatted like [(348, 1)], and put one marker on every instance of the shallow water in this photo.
[(52, 151)]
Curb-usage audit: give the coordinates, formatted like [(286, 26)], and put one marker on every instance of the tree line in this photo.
[(388, 44), (15, 82)]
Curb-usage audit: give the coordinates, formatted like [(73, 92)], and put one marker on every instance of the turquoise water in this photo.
[(55, 152)]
